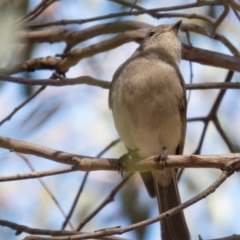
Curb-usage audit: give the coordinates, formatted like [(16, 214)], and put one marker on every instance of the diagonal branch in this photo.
[(75, 37), (213, 115), (32, 175), (168, 15), (22, 228), (106, 232), (36, 11), (220, 19), (124, 14), (46, 189), (107, 200), (22, 105), (109, 146)]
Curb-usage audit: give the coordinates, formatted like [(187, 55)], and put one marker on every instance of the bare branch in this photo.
[(220, 97), (223, 134), (22, 105), (167, 214), (36, 11), (212, 116), (106, 84), (58, 82), (109, 146), (72, 58), (32, 175), (74, 37), (220, 19), (236, 14), (233, 237), (46, 189), (31, 65), (107, 200), (84, 163), (133, 13), (234, 5), (213, 85), (168, 15), (219, 37), (22, 228)]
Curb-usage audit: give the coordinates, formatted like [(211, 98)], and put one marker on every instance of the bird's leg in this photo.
[(163, 156), (122, 161)]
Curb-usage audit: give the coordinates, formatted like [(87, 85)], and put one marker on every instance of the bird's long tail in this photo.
[(175, 227)]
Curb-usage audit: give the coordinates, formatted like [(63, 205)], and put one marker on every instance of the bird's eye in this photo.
[(151, 34)]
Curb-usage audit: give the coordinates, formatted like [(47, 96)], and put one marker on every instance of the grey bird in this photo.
[(148, 102)]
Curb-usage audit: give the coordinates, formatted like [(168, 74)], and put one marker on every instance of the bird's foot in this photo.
[(122, 161), (163, 156)]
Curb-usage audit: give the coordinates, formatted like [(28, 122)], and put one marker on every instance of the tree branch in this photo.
[(22, 228), (168, 15), (84, 163), (133, 13), (107, 200), (75, 37), (22, 105), (109, 146), (32, 175), (61, 81), (106, 232)]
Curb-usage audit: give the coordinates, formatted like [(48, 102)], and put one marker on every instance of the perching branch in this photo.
[(84, 163), (119, 230)]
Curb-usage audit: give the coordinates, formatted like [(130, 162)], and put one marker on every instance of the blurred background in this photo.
[(77, 119)]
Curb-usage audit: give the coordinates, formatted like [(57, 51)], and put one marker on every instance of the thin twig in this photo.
[(67, 218), (133, 4), (122, 14), (214, 85), (223, 134), (32, 175), (168, 15), (220, 96), (22, 228), (236, 14), (195, 119), (46, 189), (109, 146), (212, 114), (39, 11), (61, 81), (199, 147), (107, 200), (34, 11), (26, 101), (220, 19), (75, 37), (22, 105)]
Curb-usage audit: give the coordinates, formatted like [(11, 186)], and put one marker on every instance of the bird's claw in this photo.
[(163, 156), (122, 161)]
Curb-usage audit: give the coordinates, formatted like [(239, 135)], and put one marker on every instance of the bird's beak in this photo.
[(175, 27)]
